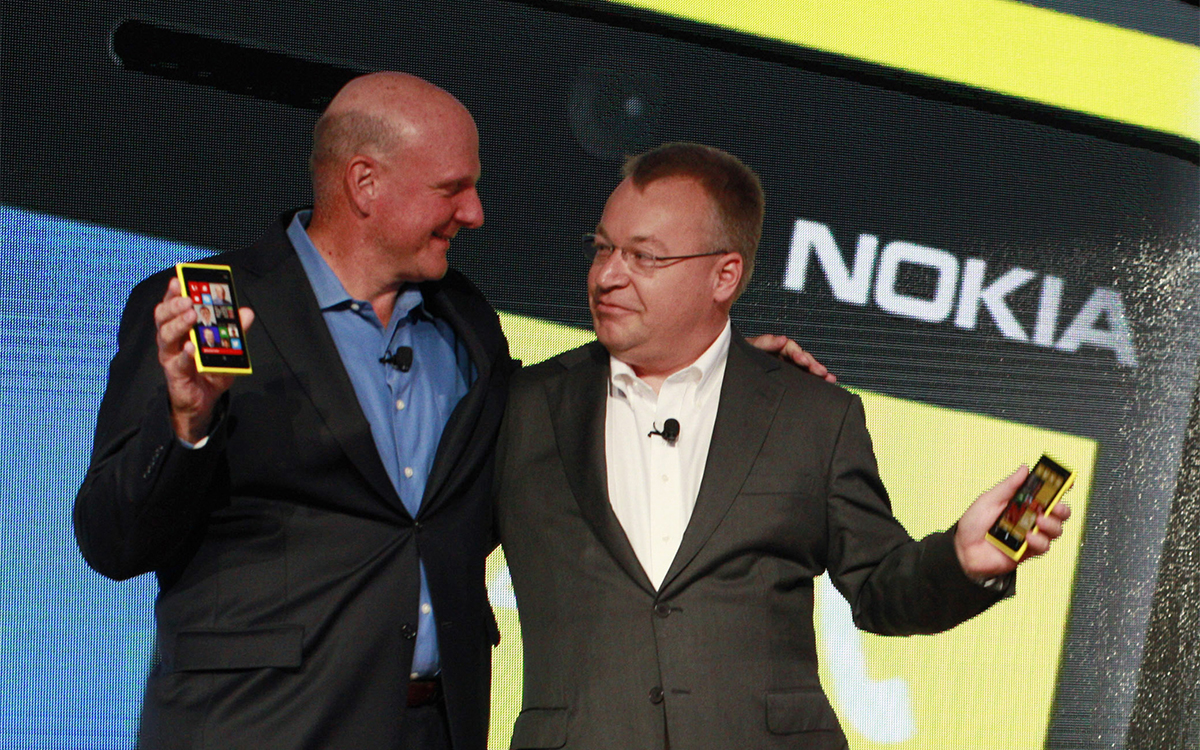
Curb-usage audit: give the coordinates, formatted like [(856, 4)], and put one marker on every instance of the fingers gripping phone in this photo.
[(217, 335), (1041, 491)]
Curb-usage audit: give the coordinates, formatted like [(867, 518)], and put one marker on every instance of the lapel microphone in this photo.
[(402, 361), (669, 432)]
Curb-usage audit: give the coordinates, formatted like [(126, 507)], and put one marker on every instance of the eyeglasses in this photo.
[(598, 251)]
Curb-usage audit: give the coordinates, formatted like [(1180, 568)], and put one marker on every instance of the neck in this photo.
[(351, 259), (655, 372)]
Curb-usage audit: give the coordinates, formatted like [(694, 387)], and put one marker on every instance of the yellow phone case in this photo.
[(1027, 522), (183, 291)]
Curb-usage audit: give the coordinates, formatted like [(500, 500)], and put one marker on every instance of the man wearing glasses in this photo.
[(667, 495)]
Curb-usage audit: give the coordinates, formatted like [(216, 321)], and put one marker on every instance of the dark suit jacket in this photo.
[(723, 655), (288, 566)]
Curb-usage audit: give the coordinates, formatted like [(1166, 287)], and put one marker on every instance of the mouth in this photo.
[(606, 307), (445, 232)]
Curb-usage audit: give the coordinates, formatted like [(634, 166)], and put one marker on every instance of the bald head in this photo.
[(375, 115), (395, 163)]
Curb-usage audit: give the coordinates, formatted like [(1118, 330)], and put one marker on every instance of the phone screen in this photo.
[(220, 343), (1036, 495)]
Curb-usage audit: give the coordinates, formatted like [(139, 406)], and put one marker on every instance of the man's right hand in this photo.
[(193, 395), (979, 559)]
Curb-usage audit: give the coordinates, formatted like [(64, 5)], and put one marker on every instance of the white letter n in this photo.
[(847, 286)]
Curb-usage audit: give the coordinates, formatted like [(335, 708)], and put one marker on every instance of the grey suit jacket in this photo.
[(723, 655)]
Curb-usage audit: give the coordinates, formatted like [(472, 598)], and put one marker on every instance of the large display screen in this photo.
[(995, 283)]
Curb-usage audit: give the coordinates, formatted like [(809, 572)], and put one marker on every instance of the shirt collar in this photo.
[(702, 371), (325, 283), (328, 287)]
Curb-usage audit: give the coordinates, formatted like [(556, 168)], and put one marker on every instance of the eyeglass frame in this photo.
[(591, 251)]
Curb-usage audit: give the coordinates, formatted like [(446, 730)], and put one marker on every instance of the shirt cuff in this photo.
[(995, 583), (193, 446)]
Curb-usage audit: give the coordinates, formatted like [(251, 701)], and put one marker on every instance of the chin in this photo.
[(603, 333), (614, 339), (434, 268)]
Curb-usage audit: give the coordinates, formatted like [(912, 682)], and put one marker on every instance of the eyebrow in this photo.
[(460, 183), (637, 240)]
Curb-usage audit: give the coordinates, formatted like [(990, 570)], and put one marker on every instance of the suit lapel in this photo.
[(286, 312), (458, 433), (577, 410), (749, 399)]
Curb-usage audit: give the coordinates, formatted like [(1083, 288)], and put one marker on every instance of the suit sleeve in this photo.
[(895, 585), (145, 497)]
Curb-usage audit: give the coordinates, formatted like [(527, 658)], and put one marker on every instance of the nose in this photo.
[(612, 273), (470, 210)]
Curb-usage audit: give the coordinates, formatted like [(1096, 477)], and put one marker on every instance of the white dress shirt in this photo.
[(652, 485)]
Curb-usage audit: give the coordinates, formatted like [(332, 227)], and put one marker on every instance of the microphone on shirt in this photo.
[(669, 432), (401, 359)]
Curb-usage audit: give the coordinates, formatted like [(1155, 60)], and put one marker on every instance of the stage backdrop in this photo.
[(1000, 267)]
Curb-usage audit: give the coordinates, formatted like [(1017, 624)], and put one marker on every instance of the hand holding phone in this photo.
[(979, 554), (1047, 482), (193, 392), (217, 338)]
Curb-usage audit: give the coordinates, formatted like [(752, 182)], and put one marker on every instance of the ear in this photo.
[(727, 277), (361, 182)]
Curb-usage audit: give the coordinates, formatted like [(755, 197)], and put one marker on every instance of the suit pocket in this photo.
[(800, 711), (210, 650), (540, 728)]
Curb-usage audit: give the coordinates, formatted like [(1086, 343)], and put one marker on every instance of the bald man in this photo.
[(319, 529)]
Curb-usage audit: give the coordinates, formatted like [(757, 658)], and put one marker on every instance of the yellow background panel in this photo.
[(531, 340), (998, 45), (986, 684), (507, 659)]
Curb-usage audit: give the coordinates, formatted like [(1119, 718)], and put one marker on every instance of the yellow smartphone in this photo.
[(1047, 482), (217, 336)]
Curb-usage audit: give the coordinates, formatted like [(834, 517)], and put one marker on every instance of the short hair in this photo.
[(734, 188), (338, 136)]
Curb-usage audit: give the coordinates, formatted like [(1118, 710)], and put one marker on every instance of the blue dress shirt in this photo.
[(407, 411)]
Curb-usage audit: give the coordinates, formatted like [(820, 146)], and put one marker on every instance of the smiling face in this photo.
[(426, 193), (395, 161), (662, 322)]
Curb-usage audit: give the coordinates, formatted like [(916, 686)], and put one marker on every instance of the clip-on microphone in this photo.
[(402, 359), (669, 432)]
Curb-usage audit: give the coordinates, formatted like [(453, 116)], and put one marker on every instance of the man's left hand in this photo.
[(979, 559), (790, 351)]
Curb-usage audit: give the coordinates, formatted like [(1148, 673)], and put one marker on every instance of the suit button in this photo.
[(656, 695), (408, 631), (662, 609)]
